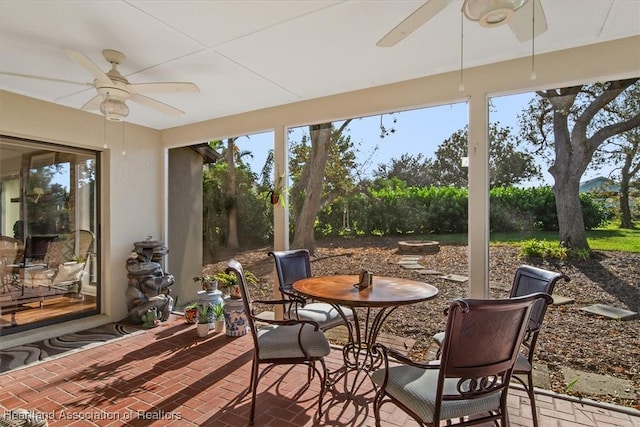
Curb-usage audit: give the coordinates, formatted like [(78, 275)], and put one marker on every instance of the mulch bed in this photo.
[(570, 337)]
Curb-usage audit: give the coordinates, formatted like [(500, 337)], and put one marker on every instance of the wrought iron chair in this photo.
[(281, 342), (294, 265), (527, 280), (471, 382)]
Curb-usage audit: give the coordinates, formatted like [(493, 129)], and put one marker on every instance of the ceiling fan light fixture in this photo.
[(491, 13), (114, 109)]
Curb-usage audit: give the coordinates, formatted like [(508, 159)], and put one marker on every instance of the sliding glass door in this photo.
[(48, 247)]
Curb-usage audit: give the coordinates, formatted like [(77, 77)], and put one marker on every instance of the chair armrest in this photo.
[(295, 298), (397, 356), (288, 322), (271, 301), (281, 322)]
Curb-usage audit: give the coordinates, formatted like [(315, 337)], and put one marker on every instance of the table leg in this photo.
[(360, 358)]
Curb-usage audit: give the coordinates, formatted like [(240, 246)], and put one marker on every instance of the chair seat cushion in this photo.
[(324, 314), (416, 389), (280, 342), (439, 338), (68, 272)]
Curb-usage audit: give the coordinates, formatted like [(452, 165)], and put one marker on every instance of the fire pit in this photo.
[(418, 247)]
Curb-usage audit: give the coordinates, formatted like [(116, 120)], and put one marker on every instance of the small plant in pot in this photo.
[(218, 316), (205, 316), (208, 282), (277, 195), (228, 282), (191, 313)]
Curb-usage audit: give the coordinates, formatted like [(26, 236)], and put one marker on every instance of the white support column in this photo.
[(280, 213), (478, 234)]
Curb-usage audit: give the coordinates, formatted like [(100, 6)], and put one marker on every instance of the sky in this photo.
[(416, 131)]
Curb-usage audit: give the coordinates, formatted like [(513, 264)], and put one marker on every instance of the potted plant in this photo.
[(277, 193), (218, 316), (209, 283), (205, 314), (191, 313), (228, 282)]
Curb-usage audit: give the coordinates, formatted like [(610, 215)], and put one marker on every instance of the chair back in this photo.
[(234, 267), (83, 241), (11, 249), (291, 266), (482, 341), (11, 252), (530, 280), (38, 248)]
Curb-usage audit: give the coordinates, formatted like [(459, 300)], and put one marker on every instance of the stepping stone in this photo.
[(407, 262), (413, 266), (429, 272), (541, 376), (561, 300), (610, 312), (589, 383), (501, 286), (410, 258), (455, 278)]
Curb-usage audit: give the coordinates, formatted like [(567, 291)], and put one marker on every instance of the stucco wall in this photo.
[(132, 191), (185, 222)]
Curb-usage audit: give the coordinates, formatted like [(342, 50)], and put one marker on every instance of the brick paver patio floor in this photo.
[(168, 376)]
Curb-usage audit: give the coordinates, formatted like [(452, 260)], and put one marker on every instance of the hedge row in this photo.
[(441, 210)]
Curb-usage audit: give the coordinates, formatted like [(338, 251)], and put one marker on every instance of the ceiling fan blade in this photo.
[(86, 63), (93, 103), (412, 22), (521, 22), (50, 79), (166, 87), (156, 105)]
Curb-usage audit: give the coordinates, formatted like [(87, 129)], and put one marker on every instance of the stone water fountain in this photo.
[(148, 292)]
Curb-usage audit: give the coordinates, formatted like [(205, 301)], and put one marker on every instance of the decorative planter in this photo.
[(234, 292), (190, 315), (214, 297), (274, 198), (210, 286), (202, 329), (218, 326), (235, 319)]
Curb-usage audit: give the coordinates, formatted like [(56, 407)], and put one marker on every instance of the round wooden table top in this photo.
[(385, 291)]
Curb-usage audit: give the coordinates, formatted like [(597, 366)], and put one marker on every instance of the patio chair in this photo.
[(527, 280), (294, 265), (281, 342), (65, 262), (471, 381), (11, 252)]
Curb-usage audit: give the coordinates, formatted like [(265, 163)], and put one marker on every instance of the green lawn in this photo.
[(603, 239)]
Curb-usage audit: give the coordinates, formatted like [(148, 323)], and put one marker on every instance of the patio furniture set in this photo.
[(486, 343), (43, 267)]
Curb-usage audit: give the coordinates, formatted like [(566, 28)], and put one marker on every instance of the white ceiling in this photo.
[(246, 55)]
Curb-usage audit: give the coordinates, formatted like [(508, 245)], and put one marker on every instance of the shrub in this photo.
[(535, 248)]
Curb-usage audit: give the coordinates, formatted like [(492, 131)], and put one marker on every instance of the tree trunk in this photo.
[(627, 173), (571, 160), (232, 216), (625, 211), (570, 220), (313, 175), (574, 150)]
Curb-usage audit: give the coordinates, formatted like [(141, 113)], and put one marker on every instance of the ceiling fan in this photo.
[(518, 14), (114, 89)]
